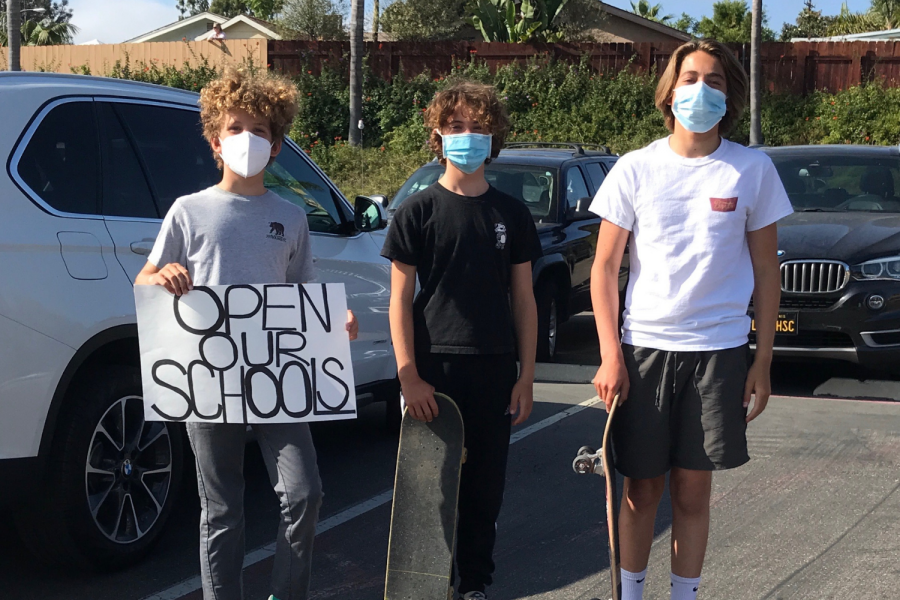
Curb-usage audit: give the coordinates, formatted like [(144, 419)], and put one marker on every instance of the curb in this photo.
[(839, 387)]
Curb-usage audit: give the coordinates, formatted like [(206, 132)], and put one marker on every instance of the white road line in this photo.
[(193, 584), (524, 433)]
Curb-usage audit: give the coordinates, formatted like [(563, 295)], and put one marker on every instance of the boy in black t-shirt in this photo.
[(472, 247)]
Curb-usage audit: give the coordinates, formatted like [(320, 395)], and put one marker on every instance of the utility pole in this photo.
[(357, 47), (14, 32), (756, 136)]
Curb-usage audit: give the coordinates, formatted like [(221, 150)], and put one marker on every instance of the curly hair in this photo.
[(736, 82), (480, 102), (261, 95)]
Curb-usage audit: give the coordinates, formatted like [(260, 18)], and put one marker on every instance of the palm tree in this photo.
[(887, 11), (643, 9), (357, 48), (39, 33), (756, 136), (847, 23), (376, 9), (12, 21), (47, 33)]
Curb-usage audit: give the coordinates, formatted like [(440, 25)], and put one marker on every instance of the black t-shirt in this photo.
[(463, 249)]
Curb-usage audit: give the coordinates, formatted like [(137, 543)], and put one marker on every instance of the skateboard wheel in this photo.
[(583, 466), (586, 450)]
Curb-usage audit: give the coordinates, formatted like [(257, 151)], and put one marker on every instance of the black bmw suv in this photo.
[(840, 254), (556, 181)]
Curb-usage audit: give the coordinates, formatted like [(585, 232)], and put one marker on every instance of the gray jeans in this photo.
[(290, 458)]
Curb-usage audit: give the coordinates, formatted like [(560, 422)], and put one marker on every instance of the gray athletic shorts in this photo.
[(684, 409)]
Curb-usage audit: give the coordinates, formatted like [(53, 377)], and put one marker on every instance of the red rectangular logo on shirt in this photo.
[(723, 204)]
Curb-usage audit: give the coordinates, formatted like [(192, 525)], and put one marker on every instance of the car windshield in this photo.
[(295, 180), (838, 183), (534, 186)]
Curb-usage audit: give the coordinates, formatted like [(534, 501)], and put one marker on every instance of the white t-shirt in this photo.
[(691, 276)]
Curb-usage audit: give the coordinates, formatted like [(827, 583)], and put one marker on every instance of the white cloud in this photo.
[(114, 21)]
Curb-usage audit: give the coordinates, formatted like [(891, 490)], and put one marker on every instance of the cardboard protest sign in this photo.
[(272, 353)]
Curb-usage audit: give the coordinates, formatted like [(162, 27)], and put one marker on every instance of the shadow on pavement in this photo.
[(578, 345)]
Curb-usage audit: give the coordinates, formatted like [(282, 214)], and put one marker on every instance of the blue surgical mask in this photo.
[(698, 107), (467, 151)]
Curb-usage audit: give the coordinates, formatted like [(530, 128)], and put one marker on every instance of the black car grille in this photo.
[(813, 276), (805, 303), (812, 339)]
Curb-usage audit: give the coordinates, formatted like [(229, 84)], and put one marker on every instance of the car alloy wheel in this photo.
[(128, 473)]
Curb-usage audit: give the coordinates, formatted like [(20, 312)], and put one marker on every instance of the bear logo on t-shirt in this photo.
[(276, 231), (500, 230)]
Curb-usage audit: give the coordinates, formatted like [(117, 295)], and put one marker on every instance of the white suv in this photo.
[(90, 167)]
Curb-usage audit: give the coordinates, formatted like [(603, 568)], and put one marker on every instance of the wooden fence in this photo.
[(101, 58), (786, 67), (797, 68)]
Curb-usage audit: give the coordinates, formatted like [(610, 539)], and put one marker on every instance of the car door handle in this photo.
[(143, 247)]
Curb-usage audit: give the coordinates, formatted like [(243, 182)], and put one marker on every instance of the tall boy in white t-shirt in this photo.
[(699, 214)]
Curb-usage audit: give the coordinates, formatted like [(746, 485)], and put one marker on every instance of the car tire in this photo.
[(393, 411), (111, 481), (546, 296)]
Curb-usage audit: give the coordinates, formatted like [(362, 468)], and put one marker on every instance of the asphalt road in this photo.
[(812, 516)]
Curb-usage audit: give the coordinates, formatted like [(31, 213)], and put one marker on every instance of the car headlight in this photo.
[(880, 268)]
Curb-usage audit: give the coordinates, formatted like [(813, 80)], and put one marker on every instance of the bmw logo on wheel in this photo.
[(127, 468)]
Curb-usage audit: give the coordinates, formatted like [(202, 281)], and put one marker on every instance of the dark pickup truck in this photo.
[(556, 182)]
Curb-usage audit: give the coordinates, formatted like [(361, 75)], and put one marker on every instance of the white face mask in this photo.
[(246, 154)]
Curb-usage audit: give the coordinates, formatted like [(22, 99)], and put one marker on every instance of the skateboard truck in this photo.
[(588, 461)]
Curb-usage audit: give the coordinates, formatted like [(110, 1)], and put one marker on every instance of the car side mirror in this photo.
[(581, 210), (380, 199), (369, 214)]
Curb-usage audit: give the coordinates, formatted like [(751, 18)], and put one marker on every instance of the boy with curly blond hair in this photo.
[(471, 247), (238, 232)]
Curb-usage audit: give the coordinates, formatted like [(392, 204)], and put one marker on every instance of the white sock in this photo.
[(684, 588), (633, 584)]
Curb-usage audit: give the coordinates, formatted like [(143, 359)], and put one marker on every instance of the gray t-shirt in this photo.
[(228, 239)]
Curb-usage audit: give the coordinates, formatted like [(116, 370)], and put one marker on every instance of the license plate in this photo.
[(785, 325)]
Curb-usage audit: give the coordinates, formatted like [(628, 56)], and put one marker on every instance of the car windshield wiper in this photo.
[(817, 210)]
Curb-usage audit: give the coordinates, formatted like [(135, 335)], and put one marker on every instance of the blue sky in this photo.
[(113, 21)]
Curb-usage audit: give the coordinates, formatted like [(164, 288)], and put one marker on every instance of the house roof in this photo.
[(204, 16), (869, 36), (269, 29), (639, 20), (264, 27)]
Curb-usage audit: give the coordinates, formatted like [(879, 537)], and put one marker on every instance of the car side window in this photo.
[(596, 173), (61, 163), (125, 189), (576, 188), (175, 154)]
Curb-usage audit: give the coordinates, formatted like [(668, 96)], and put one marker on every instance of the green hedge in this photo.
[(547, 101)]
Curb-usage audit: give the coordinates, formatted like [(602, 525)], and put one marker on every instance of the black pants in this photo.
[(482, 387)]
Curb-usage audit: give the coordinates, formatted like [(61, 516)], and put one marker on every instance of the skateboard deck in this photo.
[(601, 463), (426, 494)]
